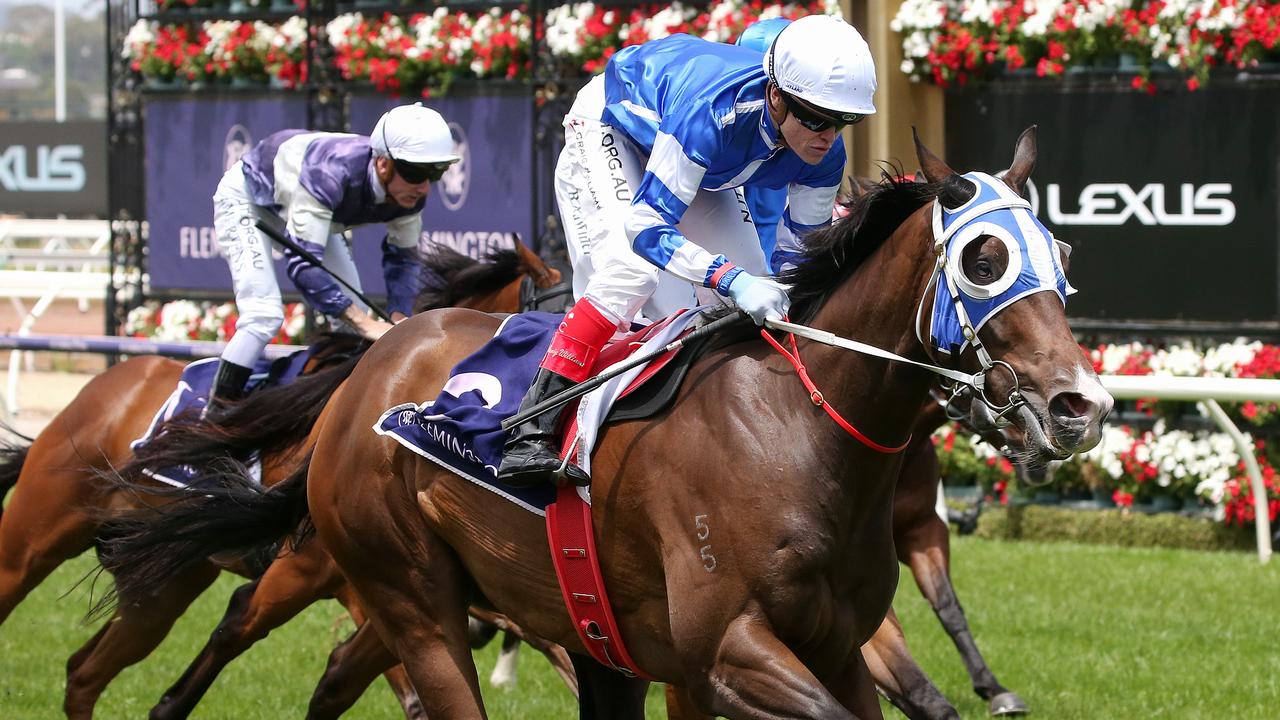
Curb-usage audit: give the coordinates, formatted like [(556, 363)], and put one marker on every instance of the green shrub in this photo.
[(1111, 527)]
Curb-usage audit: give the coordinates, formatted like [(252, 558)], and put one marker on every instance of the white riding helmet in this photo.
[(825, 62), (413, 134)]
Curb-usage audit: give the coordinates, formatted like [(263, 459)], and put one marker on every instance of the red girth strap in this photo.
[(573, 552), (816, 396)]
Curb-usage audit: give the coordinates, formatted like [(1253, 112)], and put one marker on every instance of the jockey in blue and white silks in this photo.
[(1035, 264), (320, 185), (766, 204), (657, 151)]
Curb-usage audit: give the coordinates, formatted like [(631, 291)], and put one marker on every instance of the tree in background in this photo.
[(27, 60)]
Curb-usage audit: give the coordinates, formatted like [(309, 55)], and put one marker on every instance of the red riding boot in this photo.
[(531, 454)]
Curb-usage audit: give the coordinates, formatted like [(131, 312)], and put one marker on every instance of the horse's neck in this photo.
[(877, 306)]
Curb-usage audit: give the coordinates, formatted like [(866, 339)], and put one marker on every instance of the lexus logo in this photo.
[(1109, 203), (457, 179)]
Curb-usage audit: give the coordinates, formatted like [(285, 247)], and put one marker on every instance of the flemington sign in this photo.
[(479, 206), (1169, 201), (49, 169)]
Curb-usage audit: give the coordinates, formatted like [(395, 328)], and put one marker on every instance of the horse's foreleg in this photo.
[(755, 676), (680, 706), (854, 687), (504, 671), (132, 633), (292, 582), (929, 559), (898, 675), (415, 595), (606, 694), (555, 654), (41, 528), (355, 664)]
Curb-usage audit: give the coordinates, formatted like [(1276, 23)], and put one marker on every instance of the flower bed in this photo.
[(952, 42), (425, 53), (1160, 463), (182, 320), (219, 50)]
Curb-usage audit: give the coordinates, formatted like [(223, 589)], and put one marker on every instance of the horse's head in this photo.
[(998, 298), (544, 276)]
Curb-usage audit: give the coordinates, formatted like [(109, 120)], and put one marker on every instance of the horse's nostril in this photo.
[(1070, 405)]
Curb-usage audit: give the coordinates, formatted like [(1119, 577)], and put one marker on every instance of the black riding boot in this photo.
[(228, 386), (531, 454)]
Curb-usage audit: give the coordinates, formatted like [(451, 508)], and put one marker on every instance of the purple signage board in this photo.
[(478, 205), (190, 143)]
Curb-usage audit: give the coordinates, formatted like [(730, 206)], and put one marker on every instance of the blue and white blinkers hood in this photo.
[(1034, 262)]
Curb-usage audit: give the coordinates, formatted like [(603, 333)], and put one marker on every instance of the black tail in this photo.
[(13, 454), (267, 422), (144, 549), (452, 276)]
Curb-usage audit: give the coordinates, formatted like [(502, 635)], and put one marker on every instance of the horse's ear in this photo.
[(934, 169), (544, 276), (858, 186), (1024, 160), (956, 191), (527, 256)]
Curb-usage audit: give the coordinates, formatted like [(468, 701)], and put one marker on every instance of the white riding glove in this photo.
[(760, 298)]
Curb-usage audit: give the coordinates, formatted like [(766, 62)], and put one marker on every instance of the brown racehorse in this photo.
[(58, 504), (799, 520), (921, 539), (806, 569), (298, 577)]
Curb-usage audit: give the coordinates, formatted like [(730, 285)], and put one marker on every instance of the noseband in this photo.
[(993, 210)]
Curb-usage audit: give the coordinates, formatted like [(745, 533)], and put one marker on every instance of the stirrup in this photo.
[(570, 474)]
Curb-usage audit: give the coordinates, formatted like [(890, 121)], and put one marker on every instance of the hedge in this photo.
[(1111, 527)]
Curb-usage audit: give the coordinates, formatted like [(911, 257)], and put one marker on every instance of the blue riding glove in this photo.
[(760, 298)]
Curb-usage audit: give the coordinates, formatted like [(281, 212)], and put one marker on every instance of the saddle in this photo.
[(187, 402)]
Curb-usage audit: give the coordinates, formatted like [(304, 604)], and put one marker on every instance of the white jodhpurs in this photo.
[(596, 177), (249, 255)]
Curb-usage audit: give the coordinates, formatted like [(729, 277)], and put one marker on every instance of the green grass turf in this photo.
[(1078, 631)]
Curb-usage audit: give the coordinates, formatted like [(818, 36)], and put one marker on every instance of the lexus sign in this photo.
[(1169, 200), (49, 169)]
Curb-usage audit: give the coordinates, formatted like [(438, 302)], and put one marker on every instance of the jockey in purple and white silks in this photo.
[(656, 152), (321, 184)]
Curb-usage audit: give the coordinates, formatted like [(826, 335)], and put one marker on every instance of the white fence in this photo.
[(1208, 392), (44, 260)]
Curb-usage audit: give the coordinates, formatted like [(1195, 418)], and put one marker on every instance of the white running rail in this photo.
[(44, 260), (1208, 392)]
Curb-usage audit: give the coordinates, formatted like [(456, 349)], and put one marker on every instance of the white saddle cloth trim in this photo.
[(595, 405)]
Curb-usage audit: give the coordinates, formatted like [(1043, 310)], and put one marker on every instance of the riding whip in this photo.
[(587, 386), (295, 248)]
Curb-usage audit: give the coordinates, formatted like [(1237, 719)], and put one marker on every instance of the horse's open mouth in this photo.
[(1026, 441), (1037, 438)]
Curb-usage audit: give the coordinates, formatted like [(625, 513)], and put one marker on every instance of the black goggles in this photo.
[(815, 120), (414, 173)]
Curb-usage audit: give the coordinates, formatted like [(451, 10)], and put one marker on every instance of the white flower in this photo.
[(140, 37)]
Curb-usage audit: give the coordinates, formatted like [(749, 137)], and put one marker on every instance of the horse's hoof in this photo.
[(1007, 704)]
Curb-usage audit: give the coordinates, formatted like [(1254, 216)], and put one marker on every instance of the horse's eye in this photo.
[(982, 269)]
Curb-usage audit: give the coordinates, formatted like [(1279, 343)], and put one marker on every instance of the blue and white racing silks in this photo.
[(1034, 261), (697, 108), (323, 184)]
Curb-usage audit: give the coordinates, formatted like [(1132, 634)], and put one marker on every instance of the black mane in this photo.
[(450, 276), (833, 253)]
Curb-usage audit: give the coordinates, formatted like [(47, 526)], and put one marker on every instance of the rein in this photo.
[(816, 395), (943, 273)]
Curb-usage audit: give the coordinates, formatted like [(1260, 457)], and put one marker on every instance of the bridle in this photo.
[(970, 222)]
